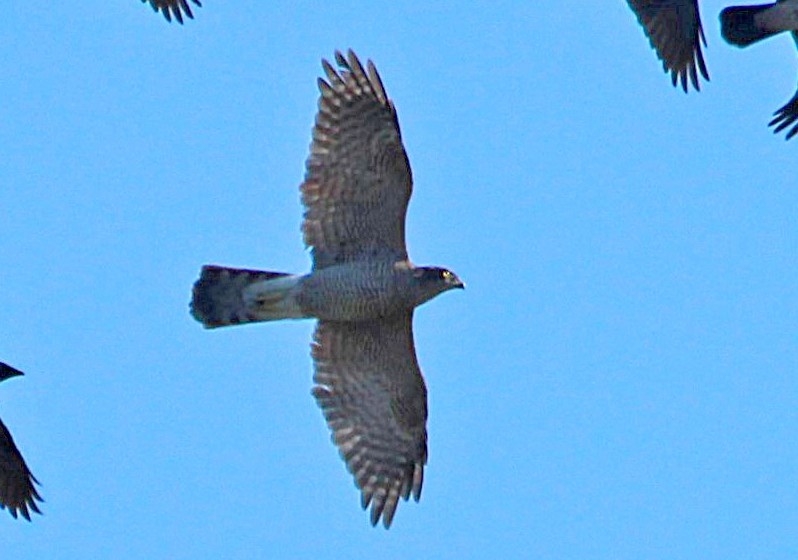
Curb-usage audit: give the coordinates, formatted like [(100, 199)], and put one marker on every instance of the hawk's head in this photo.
[(433, 280)]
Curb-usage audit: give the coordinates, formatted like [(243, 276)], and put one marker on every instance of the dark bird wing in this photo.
[(17, 492), (787, 116), (173, 8), (369, 386), (358, 180), (674, 29)]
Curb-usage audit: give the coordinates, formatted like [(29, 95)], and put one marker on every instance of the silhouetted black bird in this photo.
[(745, 25)]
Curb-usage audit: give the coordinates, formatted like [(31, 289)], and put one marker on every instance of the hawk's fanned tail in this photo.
[(232, 296)]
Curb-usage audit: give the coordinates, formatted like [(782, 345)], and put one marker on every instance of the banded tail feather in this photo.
[(233, 296)]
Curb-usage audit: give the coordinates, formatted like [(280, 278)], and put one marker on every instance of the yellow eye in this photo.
[(446, 275)]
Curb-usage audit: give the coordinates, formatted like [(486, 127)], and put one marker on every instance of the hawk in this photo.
[(17, 492), (362, 288), (674, 29), (745, 25), (174, 8)]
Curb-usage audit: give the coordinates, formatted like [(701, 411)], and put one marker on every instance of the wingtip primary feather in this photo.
[(786, 117), (174, 8)]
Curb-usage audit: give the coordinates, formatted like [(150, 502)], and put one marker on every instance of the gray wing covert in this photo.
[(358, 180), (370, 388), (674, 29)]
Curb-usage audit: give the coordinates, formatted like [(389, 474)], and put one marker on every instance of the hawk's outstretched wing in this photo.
[(370, 388), (674, 29), (358, 181), (173, 8), (17, 492)]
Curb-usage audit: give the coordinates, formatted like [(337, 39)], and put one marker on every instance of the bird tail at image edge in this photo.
[(225, 296)]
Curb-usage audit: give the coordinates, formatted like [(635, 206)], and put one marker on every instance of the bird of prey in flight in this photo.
[(362, 288), (173, 8), (17, 492), (674, 29), (745, 25)]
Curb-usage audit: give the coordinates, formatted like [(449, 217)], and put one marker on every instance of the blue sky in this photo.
[(618, 380)]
